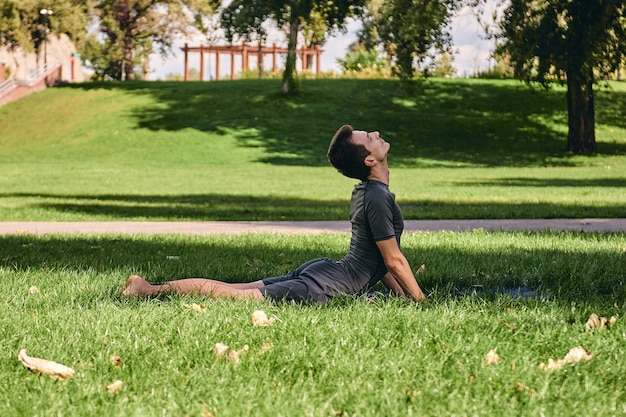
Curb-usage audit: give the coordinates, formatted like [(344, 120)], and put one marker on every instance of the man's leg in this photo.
[(139, 287)]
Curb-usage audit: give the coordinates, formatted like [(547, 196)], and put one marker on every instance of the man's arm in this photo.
[(393, 285), (399, 267)]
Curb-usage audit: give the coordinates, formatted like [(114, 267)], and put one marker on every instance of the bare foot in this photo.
[(137, 287)]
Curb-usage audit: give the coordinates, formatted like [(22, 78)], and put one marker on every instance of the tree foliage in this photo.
[(247, 19), (23, 26), (414, 32), (132, 29), (574, 41)]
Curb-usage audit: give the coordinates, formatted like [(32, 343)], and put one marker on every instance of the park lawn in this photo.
[(242, 151), (348, 358)]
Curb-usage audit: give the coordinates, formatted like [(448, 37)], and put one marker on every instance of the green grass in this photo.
[(242, 151), (349, 358)]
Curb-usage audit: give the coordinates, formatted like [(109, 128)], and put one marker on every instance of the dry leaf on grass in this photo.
[(492, 357), (519, 387), (220, 349), (200, 308), (421, 269), (233, 355), (596, 322), (206, 412), (575, 355), (259, 318), (33, 290), (114, 386), (511, 327), (266, 348), (115, 360), (55, 370)]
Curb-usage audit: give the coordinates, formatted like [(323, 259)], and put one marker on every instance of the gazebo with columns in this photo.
[(246, 51)]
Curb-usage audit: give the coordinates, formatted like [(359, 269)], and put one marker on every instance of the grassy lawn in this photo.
[(351, 358), (241, 151)]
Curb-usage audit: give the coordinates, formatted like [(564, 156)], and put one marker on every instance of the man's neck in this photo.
[(380, 173)]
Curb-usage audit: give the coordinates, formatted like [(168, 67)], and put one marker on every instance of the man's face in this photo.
[(372, 142)]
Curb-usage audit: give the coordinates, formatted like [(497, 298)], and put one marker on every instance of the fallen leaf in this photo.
[(259, 318), (421, 269), (200, 308), (233, 355), (575, 355), (266, 348), (492, 357), (206, 412), (596, 322), (220, 349), (578, 354), (115, 360), (55, 370), (33, 290), (114, 386), (511, 327), (519, 387)]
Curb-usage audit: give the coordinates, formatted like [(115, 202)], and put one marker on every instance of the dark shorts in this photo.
[(316, 281)]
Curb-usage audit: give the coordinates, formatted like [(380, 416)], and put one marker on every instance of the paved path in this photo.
[(206, 228)]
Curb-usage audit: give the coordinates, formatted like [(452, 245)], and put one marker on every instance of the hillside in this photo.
[(168, 150)]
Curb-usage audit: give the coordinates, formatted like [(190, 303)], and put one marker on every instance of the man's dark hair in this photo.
[(347, 157)]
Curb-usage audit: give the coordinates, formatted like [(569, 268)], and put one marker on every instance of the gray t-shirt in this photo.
[(375, 216)]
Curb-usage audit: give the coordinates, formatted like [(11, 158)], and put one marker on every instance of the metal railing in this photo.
[(37, 75), (7, 86)]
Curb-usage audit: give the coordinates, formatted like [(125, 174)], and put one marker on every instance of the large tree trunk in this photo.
[(260, 58), (289, 82), (128, 69), (404, 59), (581, 137)]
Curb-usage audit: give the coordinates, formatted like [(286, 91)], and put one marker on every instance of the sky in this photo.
[(472, 51)]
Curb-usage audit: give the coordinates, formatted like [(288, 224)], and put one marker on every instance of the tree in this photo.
[(444, 66), (133, 27), (22, 25), (367, 37), (574, 41), (415, 31), (246, 18), (314, 34), (359, 61)]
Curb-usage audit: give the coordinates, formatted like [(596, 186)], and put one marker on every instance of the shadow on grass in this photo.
[(551, 182), (222, 207), (571, 275), (198, 207), (444, 122)]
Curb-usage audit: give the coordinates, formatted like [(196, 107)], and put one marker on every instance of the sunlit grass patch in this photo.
[(351, 357), (242, 151)]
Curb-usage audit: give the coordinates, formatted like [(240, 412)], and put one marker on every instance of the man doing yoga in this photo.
[(374, 253)]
